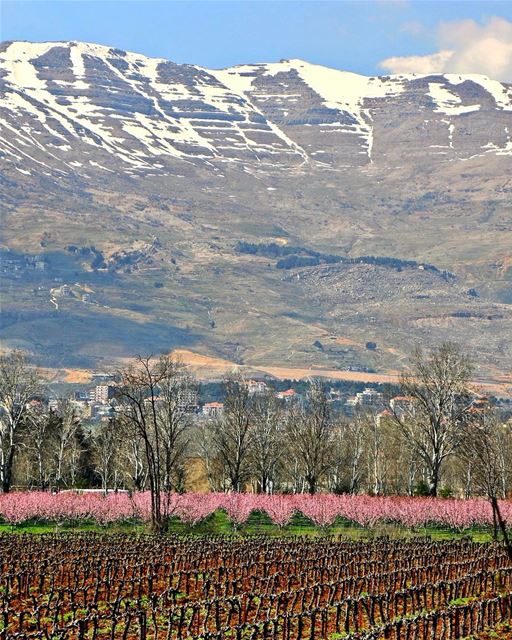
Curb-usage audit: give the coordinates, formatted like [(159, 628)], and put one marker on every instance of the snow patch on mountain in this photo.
[(75, 53), (448, 102), (340, 90), (239, 79), (143, 110), (501, 93)]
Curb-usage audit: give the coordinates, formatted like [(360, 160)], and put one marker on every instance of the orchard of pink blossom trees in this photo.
[(192, 508)]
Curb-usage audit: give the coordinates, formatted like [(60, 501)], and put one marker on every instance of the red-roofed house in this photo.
[(290, 395)]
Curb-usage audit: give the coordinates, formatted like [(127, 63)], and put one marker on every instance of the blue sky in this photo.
[(355, 36)]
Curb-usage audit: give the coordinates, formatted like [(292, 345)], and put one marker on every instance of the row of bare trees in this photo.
[(440, 438)]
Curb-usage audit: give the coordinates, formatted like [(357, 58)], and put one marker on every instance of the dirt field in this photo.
[(212, 368)]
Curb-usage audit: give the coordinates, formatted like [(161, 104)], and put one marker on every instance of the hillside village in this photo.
[(97, 403)]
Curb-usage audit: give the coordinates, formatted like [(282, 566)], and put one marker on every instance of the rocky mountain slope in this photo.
[(130, 184)]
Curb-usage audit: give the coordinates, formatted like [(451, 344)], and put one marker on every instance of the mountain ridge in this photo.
[(119, 152), (234, 97)]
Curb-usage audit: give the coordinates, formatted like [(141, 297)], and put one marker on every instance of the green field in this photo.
[(258, 523)]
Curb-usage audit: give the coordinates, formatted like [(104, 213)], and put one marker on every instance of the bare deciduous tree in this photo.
[(437, 385), (177, 389), (267, 441), (132, 452), (138, 398), (485, 446), (355, 437), (19, 383), (106, 441), (65, 439), (233, 433), (147, 400), (346, 472), (376, 446), (39, 441), (309, 435), (206, 449)]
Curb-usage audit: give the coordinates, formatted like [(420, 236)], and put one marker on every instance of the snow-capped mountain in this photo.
[(70, 106), (228, 210)]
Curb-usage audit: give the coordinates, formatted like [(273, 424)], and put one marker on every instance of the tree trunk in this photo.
[(158, 524), (42, 483), (494, 522), (503, 526), (7, 471), (433, 482)]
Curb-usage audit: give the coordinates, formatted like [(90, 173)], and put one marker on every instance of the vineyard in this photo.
[(321, 510), (90, 586), (168, 587)]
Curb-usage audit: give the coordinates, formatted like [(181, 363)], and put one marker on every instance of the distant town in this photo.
[(97, 402)]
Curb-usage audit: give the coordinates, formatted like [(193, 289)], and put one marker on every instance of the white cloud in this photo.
[(434, 63), (464, 47)]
